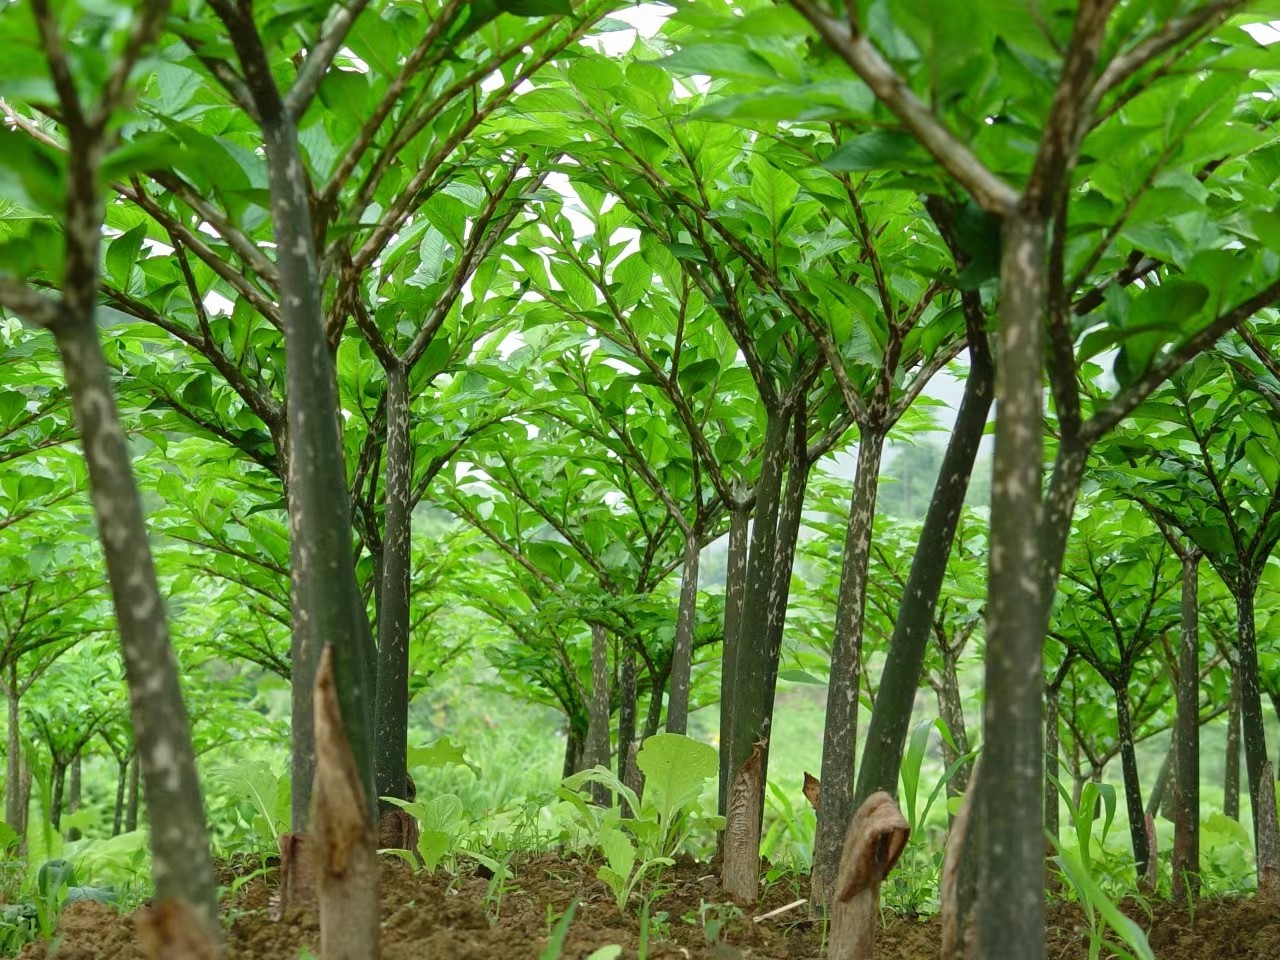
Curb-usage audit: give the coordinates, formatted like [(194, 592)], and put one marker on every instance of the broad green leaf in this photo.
[(675, 768)]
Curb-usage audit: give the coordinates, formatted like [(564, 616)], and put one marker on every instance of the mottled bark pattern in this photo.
[(957, 891), (904, 663), (790, 515), (1132, 785), (749, 668), (1052, 767), (391, 707), (653, 716), (627, 708), (682, 654), (840, 736), (1059, 508), (327, 606), (1186, 738), (1231, 780), (734, 592), (597, 745), (181, 865), (951, 710), (1252, 725), (1268, 838), (1010, 819)]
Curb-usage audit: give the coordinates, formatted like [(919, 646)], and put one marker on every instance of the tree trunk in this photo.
[(1059, 508), (597, 746), (1268, 839), (653, 718), (24, 807), (958, 882), (1231, 781), (1275, 706), (181, 865), (131, 814), (391, 707), (57, 780), (73, 794), (1157, 798), (182, 869), (1052, 768), (1254, 734), (734, 592), (328, 607), (1186, 744), (1132, 786), (626, 711), (904, 663), (750, 669), (13, 756), (346, 857), (122, 785), (840, 735), (682, 654), (572, 753), (1011, 819), (790, 516), (951, 710)]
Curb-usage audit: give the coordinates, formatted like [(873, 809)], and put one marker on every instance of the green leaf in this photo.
[(675, 768), (122, 253), (618, 850), (719, 60), (773, 191), (698, 374), (911, 765), (441, 753), (800, 676), (433, 846), (878, 150)]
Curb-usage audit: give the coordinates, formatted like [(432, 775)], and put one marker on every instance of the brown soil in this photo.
[(444, 918)]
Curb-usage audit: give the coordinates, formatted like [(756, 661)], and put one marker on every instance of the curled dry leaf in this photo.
[(346, 862), (812, 790), (877, 836), (740, 873)]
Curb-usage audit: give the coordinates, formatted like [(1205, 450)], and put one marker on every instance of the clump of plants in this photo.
[(658, 825)]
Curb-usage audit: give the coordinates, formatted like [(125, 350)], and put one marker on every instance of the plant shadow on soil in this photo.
[(435, 916)]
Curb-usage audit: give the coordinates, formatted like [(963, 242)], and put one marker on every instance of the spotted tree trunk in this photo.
[(749, 669), (1231, 776), (682, 655), (327, 606), (391, 706), (1254, 735), (597, 745), (1010, 819), (1132, 786), (904, 663), (734, 592), (840, 736)]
